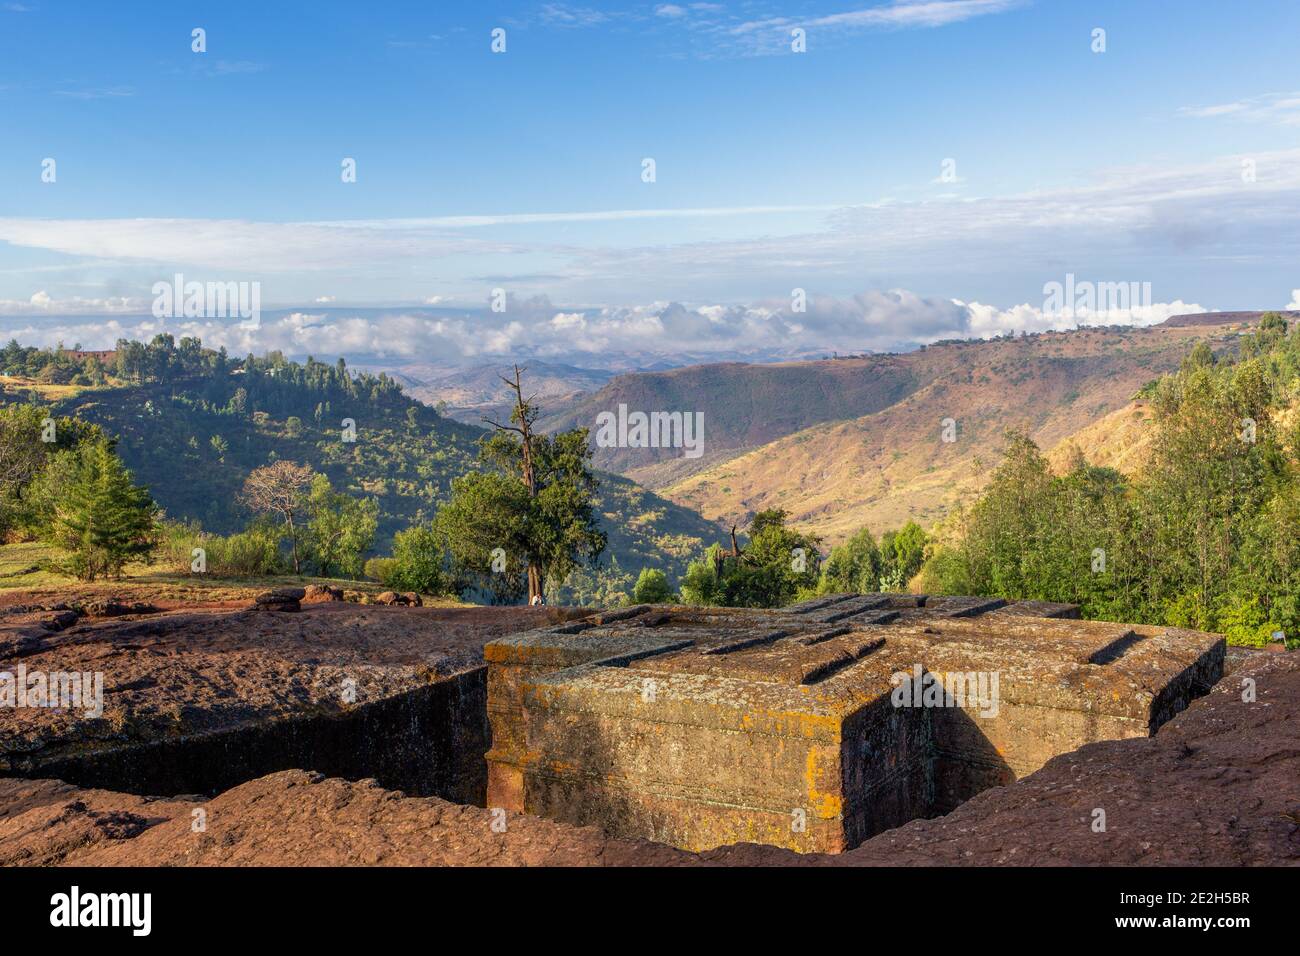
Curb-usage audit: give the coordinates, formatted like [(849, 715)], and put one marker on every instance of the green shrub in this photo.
[(253, 552), (652, 588), (175, 541), (381, 570), (700, 585), (419, 559), (1245, 623)]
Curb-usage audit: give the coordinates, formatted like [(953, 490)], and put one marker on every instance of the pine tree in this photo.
[(101, 518)]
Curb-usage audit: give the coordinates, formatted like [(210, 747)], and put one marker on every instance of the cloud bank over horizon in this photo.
[(870, 321), (1122, 225)]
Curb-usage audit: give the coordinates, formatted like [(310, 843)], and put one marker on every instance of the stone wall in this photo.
[(427, 741)]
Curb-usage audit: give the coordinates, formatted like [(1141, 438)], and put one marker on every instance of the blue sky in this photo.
[(774, 169)]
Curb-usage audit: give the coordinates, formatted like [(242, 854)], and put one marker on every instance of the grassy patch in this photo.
[(156, 583), (16, 384), (22, 565)]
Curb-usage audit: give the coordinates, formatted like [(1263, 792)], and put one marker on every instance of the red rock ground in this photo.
[(189, 671), (1219, 784)]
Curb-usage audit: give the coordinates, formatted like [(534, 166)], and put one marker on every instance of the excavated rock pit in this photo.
[(196, 702), (348, 734), (1219, 784)]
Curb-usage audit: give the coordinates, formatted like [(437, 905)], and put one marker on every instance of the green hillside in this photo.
[(191, 423)]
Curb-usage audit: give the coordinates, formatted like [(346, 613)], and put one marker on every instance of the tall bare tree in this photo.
[(280, 489), (522, 417), (532, 505)]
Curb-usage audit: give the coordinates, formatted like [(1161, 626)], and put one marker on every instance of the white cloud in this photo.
[(568, 320), (240, 244), (670, 10), (279, 247), (1121, 226), (604, 215), (771, 34), (1204, 112), (1295, 300), (237, 67), (1281, 109), (103, 93), (916, 13), (988, 321), (561, 14), (877, 320), (42, 303)]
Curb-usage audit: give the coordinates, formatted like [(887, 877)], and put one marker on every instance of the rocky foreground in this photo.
[(181, 672), (1217, 785)]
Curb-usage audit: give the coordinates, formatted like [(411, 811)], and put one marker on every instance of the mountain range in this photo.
[(860, 441), (870, 440)]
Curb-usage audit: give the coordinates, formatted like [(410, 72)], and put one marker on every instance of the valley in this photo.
[(856, 442)]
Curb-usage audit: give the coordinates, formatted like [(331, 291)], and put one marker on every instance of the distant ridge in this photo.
[(886, 461), (1225, 318)]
